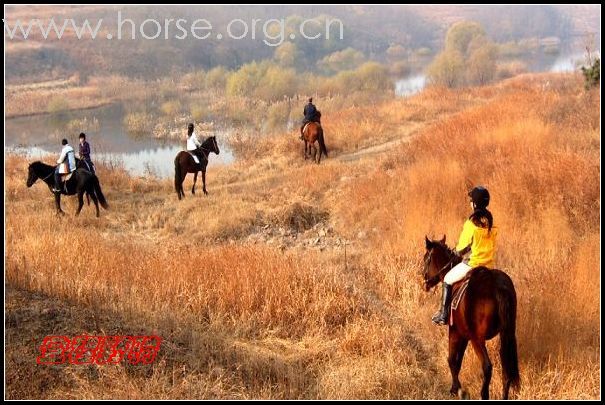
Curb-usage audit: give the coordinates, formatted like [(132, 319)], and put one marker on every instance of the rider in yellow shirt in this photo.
[(477, 245)]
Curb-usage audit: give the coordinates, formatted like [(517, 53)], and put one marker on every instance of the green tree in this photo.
[(461, 34), (592, 74), (447, 69), (246, 79)]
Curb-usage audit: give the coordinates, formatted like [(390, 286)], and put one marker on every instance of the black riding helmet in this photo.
[(480, 196)]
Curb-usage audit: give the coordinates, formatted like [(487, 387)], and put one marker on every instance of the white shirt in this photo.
[(192, 142), (67, 152)]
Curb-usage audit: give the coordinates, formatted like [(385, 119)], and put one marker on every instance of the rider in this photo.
[(65, 164), (84, 153), (311, 114), (477, 245), (193, 144)]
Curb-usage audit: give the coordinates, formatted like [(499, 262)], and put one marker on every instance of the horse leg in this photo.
[(457, 347), (486, 365), (314, 153), (180, 191), (80, 202), (95, 200), (305, 152), (58, 204), (204, 181), (194, 180)]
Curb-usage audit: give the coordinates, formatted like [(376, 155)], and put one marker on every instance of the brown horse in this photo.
[(313, 132), (184, 163), (488, 308)]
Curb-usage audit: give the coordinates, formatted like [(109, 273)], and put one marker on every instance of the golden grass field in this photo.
[(287, 316)]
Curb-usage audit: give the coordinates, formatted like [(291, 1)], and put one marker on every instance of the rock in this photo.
[(322, 232), (361, 235)]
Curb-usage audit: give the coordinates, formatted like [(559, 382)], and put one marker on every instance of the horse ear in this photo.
[(429, 244), (443, 240)]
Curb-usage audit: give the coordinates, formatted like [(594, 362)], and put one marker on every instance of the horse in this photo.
[(184, 163), (313, 132), (488, 308), (82, 181)]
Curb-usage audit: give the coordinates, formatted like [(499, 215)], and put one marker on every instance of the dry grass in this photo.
[(243, 320)]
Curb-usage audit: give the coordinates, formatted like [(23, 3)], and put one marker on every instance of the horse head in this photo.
[(437, 258), (31, 175), (212, 145)]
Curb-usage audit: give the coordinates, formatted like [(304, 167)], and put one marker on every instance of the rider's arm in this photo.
[(196, 141), (466, 237), (62, 157)]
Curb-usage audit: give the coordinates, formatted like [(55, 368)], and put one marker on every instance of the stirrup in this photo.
[(439, 318)]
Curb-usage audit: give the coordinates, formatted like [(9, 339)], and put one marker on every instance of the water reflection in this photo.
[(410, 85)]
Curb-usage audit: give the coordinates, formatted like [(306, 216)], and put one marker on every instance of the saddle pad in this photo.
[(195, 158), (67, 176), (458, 295)]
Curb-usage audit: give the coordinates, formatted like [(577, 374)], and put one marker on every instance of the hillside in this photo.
[(302, 281)]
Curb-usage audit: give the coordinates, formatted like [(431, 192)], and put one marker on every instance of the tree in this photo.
[(481, 62), (287, 54), (469, 57), (592, 75), (246, 79), (461, 34), (346, 59), (373, 76), (447, 69), (396, 52)]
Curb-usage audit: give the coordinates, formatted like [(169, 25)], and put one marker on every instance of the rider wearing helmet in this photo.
[(477, 246)]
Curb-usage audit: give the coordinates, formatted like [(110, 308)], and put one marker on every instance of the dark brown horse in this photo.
[(312, 133), (488, 308), (82, 181), (184, 163)]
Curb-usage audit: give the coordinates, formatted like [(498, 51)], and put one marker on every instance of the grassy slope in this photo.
[(243, 319)]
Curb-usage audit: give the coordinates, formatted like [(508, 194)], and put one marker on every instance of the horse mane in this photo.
[(208, 141), (445, 248), (40, 165)]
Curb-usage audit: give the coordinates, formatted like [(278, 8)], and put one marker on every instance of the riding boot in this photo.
[(442, 316), (57, 187)]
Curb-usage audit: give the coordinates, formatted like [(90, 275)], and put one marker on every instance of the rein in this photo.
[(447, 267), (51, 173)]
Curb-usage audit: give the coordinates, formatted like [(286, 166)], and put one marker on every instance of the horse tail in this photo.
[(507, 312), (322, 144), (99, 193)]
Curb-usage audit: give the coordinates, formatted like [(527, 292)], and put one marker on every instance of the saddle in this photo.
[(458, 292), (307, 124), (195, 158), (66, 176)]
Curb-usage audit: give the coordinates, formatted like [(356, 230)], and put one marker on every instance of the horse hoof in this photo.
[(462, 394)]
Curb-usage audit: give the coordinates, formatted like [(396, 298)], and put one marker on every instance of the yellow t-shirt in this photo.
[(482, 243)]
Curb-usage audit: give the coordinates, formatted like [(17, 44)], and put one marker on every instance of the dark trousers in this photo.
[(57, 179), (89, 165)]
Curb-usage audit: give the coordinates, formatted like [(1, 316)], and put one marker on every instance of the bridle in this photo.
[(447, 267), (209, 150)]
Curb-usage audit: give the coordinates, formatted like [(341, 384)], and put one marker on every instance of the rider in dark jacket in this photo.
[(311, 114)]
